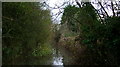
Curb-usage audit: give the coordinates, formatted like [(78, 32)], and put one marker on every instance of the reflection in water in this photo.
[(57, 58), (57, 61)]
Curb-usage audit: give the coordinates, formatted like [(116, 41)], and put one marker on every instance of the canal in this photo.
[(62, 57)]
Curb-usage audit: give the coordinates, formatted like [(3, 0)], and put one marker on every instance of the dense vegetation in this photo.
[(89, 36), (26, 33), (99, 35)]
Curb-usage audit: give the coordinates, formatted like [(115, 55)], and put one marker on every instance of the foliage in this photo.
[(26, 26), (68, 17), (100, 38)]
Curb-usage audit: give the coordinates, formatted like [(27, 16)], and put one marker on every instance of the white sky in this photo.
[(53, 3)]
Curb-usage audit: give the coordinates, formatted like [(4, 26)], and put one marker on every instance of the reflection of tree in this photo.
[(57, 50), (57, 38)]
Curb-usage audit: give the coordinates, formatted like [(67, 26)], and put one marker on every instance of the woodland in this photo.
[(88, 35)]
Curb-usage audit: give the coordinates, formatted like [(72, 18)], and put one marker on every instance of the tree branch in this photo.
[(8, 18), (103, 9), (112, 8), (78, 3)]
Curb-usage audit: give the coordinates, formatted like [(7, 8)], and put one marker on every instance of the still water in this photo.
[(60, 57), (57, 58)]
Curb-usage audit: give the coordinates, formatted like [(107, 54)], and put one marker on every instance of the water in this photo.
[(57, 61), (57, 58), (62, 57)]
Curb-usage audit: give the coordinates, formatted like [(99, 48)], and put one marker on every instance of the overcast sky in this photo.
[(53, 3)]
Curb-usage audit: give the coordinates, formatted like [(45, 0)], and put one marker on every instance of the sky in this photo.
[(55, 3)]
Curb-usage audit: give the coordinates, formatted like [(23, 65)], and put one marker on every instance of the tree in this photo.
[(98, 33), (68, 17), (26, 27)]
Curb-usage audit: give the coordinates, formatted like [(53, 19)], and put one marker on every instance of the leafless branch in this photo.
[(103, 9), (78, 3), (112, 8)]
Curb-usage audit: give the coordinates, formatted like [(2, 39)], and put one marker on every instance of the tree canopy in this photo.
[(100, 37), (26, 27)]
